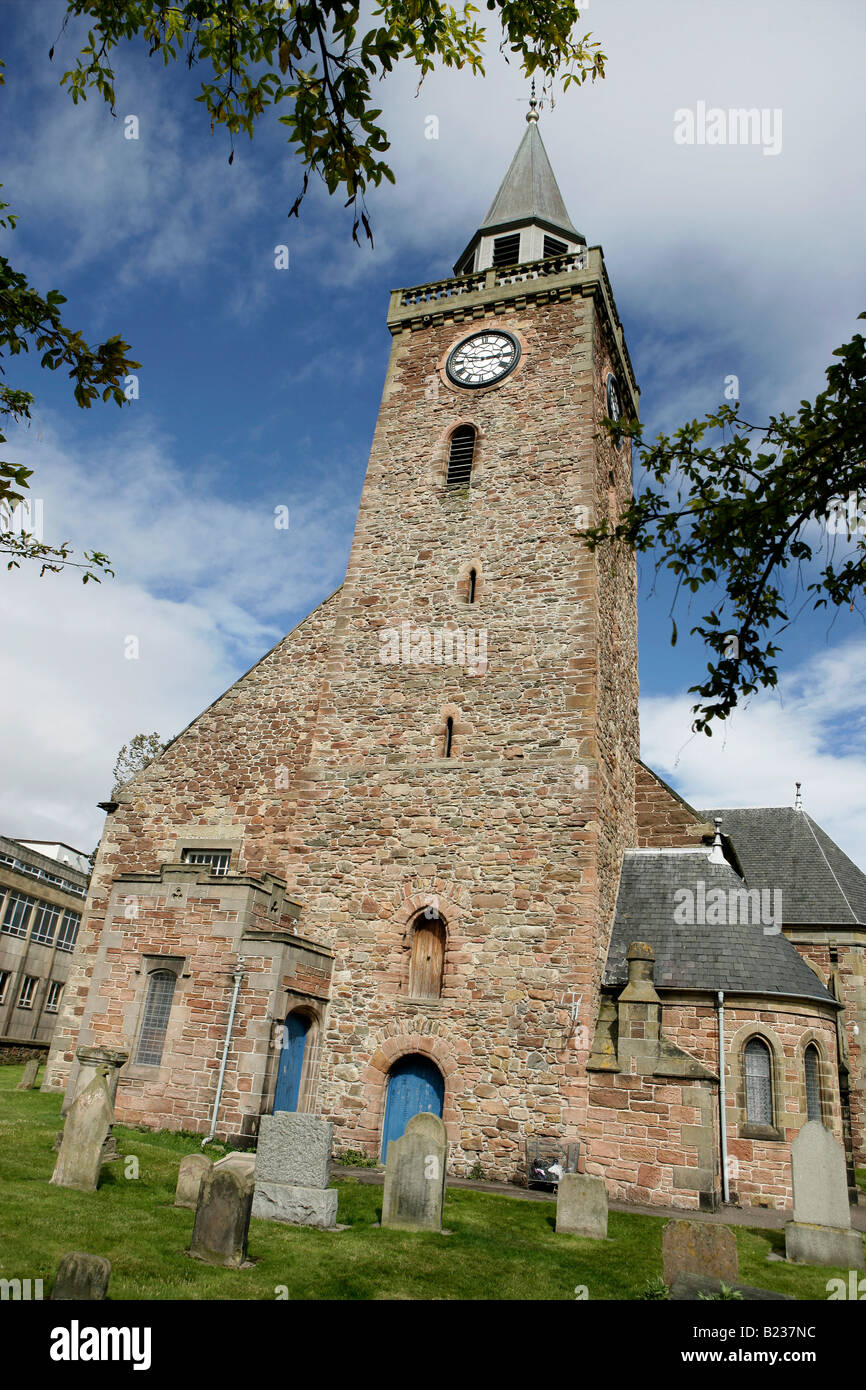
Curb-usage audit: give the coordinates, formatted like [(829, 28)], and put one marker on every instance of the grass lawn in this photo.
[(500, 1247)]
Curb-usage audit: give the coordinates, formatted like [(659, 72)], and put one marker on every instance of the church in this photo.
[(412, 859)]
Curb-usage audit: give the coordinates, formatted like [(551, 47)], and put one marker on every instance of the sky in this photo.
[(259, 387)]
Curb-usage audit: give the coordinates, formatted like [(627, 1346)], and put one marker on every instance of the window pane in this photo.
[(217, 860), (44, 923), (25, 998), (759, 1094), (68, 931), (52, 999), (813, 1094), (18, 907), (160, 992)]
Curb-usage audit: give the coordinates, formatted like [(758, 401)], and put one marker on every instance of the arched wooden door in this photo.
[(415, 1085), (295, 1030)]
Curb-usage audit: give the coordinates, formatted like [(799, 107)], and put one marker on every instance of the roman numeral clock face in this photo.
[(482, 359)]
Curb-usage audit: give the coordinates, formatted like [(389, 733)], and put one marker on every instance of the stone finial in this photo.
[(717, 854)]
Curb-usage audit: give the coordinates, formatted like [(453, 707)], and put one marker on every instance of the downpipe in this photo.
[(723, 1124), (238, 977)]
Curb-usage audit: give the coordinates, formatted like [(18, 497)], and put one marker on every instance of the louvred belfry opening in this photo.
[(460, 457)]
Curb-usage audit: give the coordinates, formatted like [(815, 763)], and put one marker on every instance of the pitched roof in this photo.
[(780, 847), (738, 957), (529, 192)]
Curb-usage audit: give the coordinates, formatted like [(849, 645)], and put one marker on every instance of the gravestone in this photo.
[(189, 1180), (222, 1218), (81, 1278), (31, 1071), (87, 1125), (415, 1176), (293, 1169), (699, 1247), (690, 1287), (581, 1206), (241, 1163), (93, 1061), (820, 1233)]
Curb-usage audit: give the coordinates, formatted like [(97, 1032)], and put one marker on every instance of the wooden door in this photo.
[(291, 1065), (415, 1085), (428, 959)]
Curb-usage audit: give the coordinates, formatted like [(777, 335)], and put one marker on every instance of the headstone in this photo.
[(31, 1071), (241, 1163), (581, 1206), (415, 1176), (222, 1218), (84, 1134), (690, 1287), (93, 1061), (189, 1180), (81, 1277), (820, 1233), (698, 1247), (293, 1169)]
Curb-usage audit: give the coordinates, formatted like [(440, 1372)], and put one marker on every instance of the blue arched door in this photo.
[(295, 1030), (414, 1085)]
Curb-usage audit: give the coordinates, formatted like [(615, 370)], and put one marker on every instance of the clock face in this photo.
[(483, 358)]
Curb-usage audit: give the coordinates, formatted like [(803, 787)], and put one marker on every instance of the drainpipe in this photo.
[(238, 976), (723, 1125)]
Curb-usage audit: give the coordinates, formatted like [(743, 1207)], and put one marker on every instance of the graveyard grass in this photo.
[(500, 1248)]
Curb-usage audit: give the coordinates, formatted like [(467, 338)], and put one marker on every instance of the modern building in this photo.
[(43, 887)]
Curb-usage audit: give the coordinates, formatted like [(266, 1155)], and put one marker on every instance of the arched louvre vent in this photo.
[(460, 457)]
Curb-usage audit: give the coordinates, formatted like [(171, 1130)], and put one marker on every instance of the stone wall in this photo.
[(838, 957), (664, 820)]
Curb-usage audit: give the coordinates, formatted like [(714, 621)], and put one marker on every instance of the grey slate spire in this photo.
[(529, 192), (527, 205)]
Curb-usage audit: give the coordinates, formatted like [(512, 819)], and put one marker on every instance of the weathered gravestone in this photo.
[(87, 1124), (222, 1218), (415, 1176), (820, 1233), (690, 1287), (31, 1071), (189, 1180), (293, 1169), (241, 1163), (81, 1277), (581, 1206), (698, 1247)]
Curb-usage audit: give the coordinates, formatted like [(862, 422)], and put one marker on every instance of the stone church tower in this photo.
[(384, 872)]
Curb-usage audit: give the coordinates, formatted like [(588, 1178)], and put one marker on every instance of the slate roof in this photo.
[(780, 847), (738, 957), (529, 192)]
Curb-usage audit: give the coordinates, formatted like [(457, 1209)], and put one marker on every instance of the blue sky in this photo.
[(259, 388)]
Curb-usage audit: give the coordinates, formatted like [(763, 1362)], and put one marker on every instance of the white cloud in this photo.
[(811, 731)]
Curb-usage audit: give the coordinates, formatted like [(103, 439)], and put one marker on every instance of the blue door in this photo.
[(295, 1031), (414, 1085)]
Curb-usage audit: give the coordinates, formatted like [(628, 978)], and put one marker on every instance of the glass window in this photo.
[(68, 933), (759, 1089), (44, 923), (52, 999), (28, 989), (157, 1007), (813, 1090), (4, 981), (17, 912), (217, 860)]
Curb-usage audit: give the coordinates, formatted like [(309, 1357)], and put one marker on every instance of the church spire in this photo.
[(527, 219)]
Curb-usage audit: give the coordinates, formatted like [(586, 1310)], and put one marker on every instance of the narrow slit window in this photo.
[(428, 959), (473, 576), (154, 1024), (216, 861), (813, 1090), (449, 735), (460, 456), (759, 1086), (506, 249)]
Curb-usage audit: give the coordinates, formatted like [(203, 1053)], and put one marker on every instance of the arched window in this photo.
[(473, 577), (449, 735), (428, 958), (759, 1085), (157, 1007), (460, 456), (813, 1088)]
